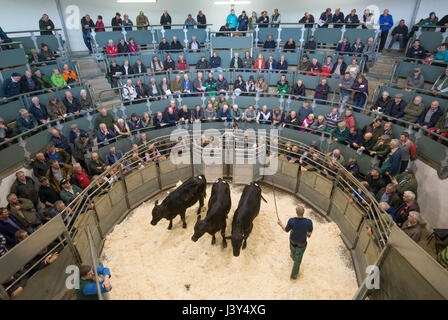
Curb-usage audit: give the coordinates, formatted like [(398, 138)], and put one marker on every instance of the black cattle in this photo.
[(177, 202), (247, 211), (219, 206)]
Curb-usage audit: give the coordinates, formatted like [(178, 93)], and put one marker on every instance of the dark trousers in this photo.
[(404, 165), (86, 37), (384, 35), (296, 256)]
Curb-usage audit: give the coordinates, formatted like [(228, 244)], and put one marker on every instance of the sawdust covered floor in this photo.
[(151, 262)]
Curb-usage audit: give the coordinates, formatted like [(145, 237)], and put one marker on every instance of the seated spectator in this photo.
[(115, 71), (83, 144), (5, 131), (239, 85), (159, 121), (176, 85), (56, 109), (293, 155), (154, 90), (340, 133), (75, 132), (264, 116), (250, 114), (320, 124), (345, 86), (156, 64), (43, 79), (382, 102), (171, 117), (68, 192), (352, 20), (69, 75), (381, 148), (412, 226), (127, 23), (413, 109), (176, 45), (135, 122), (146, 120), (203, 64), (96, 166), (353, 167), (182, 64), (395, 109), (442, 54), (409, 204), (236, 62), (111, 49), (314, 68), (332, 119), (405, 181), (415, 80), (339, 68), (221, 83), (34, 58), (25, 187), (122, 128), (392, 164), (388, 129), (123, 46), (215, 62), (260, 63), (354, 137), (129, 92), (298, 90), (187, 86), (46, 54), (103, 134), (430, 59), (57, 172), (164, 45), (336, 156), (357, 47), (375, 181), (99, 24), (304, 64), (308, 122), (283, 86), (10, 224), (292, 120), (47, 195), (282, 64), (184, 115), (416, 51), (224, 114), (138, 67), (126, 68), (353, 68), (71, 103), (308, 19), (322, 90), (311, 45), (250, 85), (210, 85), (400, 34), (165, 88), (58, 154), (199, 84), (349, 119), (39, 111), (60, 141), (25, 121), (343, 46), (441, 84), (261, 86), (269, 43), (367, 143), (278, 116), (327, 67), (113, 156), (133, 47), (57, 79), (88, 289), (361, 88), (197, 114), (29, 83), (210, 113), (430, 115), (441, 126), (289, 46), (248, 61), (389, 195)]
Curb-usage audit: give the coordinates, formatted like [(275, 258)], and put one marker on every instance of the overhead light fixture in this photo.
[(136, 1), (232, 2)]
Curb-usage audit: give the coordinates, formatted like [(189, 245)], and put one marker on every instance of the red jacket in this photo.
[(83, 179), (349, 121), (99, 26), (111, 50), (257, 65), (182, 65), (412, 149)]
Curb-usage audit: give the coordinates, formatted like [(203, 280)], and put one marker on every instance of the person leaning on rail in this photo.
[(87, 285)]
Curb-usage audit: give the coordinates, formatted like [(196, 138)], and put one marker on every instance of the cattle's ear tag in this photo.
[(223, 181), (200, 177), (256, 184)]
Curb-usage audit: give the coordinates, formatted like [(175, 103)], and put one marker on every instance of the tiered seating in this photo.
[(430, 40), (404, 69)]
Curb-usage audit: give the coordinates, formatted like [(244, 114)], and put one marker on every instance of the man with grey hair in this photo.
[(412, 226), (24, 209), (25, 121), (301, 230), (39, 111), (409, 204)]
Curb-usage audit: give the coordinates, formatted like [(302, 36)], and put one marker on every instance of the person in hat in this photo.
[(68, 192), (75, 132), (395, 109), (406, 181), (83, 143), (117, 22), (415, 80)]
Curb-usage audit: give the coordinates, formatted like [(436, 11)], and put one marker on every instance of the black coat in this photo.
[(43, 26), (232, 62), (115, 23)]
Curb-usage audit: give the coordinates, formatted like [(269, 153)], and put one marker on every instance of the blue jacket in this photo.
[(232, 20), (215, 62), (61, 143), (135, 125), (8, 231), (39, 113), (434, 118), (354, 138), (388, 19), (102, 137), (111, 159), (73, 135), (274, 65), (243, 22), (441, 56), (91, 289), (10, 88), (279, 66), (227, 114)]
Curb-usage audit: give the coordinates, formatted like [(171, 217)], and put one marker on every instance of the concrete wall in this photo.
[(30, 11), (6, 183)]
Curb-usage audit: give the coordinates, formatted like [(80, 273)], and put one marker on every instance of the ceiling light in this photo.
[(136, 1), (232, 2)]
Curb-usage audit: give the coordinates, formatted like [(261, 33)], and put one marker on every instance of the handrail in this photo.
[(35, 30), (94, 261)]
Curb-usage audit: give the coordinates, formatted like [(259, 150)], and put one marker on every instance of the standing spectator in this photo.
[(165, 20), (60, 141), (410, 204), (392, 164), (99, 25), (46, 26), (69, 192), (232, 20), (361, 88), (127, 23), (74, 133), (243, 22), (252, 21), (332, 119), (325, 18), (322, 90), (117, 22), (190, 22), (87, 25), (47, 195), (275, 19), (408, 151), (308, 19), (263, 21), (399, 33), (202, 20), (338, 18), (40, 165), (345, 86), (104, 117), (368, 19), (386, 22), (83, 143), (142, 21), (22, 207), (352, 20), (82, 177)]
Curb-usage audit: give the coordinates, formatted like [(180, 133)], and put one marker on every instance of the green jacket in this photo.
[(406, 184), (68, 197), (82, 285), (413, 111), (340, 135), (58, 81), (381, 150), (56, 110), (442, 258), (176, 86), (282, 89), (394, 199), (441, 123), (108, 120), (45, 81)]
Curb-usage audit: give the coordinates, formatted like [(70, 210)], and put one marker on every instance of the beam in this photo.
[(64, 28)]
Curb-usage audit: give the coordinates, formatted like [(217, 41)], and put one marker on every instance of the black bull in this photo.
[(219, 206), (177, 202), (247, 211)]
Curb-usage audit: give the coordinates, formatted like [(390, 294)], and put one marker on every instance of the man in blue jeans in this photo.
[(301, 230)]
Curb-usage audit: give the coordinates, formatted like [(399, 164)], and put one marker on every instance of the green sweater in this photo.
[(58, 81), (68, 197), (413, 111), (108, 120), (441, 123), (341, 135)]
